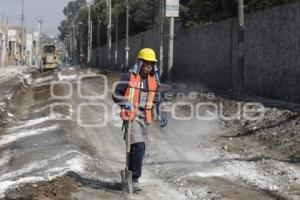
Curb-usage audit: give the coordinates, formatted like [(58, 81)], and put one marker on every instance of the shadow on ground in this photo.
[(94, 184), (60, 188)]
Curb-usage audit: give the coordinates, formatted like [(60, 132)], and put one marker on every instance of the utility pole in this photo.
[(241, 50), (80, 47), (172, 10), (22, 32), (39, 45), (98, 41), (116, 42), (6, 44), (91, 40), (89, 33), (74, 43), (161, 50), (171, 49), (66, 49), (2, 23), (71, 44), (70, 47), (109, 31), (127, 36), (2, 39)]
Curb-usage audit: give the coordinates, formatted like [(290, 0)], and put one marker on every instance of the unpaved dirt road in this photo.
[(67, 155)]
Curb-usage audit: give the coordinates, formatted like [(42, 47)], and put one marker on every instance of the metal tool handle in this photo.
[(128, 143)]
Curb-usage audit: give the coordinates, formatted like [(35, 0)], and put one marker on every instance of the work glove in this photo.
[(163, 119), (127, 106)]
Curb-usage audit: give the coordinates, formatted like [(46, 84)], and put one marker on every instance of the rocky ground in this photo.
[(269, 142), (45, 158), (277, 132)]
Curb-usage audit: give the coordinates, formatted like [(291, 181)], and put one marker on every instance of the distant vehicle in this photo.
[(49, 58)]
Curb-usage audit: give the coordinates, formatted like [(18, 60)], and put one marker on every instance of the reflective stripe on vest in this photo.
[(132, 95)]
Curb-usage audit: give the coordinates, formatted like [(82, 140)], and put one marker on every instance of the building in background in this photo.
[(10, 46), (14, 46), (28, 49), (3, 45)]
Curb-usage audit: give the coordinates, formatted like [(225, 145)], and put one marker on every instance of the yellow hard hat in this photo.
[(147, 54)]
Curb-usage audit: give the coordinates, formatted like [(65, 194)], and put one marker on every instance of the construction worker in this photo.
[(138, 95)]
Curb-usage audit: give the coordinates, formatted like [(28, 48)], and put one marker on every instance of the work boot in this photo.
[(135, 185)]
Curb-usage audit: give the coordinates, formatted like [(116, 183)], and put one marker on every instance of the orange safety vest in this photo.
[(132, 95)]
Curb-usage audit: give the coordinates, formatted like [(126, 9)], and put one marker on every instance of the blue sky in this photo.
[(48, 10)]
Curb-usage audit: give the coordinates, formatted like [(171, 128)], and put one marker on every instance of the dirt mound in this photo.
[(285, 138), (277, 130), (14, 91), (57, 189), (4, 117)]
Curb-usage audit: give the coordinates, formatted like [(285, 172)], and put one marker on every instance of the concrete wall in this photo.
[(208, 54), (273, 48)]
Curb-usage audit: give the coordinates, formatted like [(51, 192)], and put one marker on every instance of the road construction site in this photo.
[(52, 144)]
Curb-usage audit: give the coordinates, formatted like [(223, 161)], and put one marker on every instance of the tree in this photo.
[(71, 12), (142, 17), (194, 12), (144, 14)]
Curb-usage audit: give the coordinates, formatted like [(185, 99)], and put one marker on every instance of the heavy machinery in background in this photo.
[(50, 59)]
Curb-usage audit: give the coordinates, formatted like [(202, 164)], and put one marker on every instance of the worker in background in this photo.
[(17, 58), (138, 95)]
